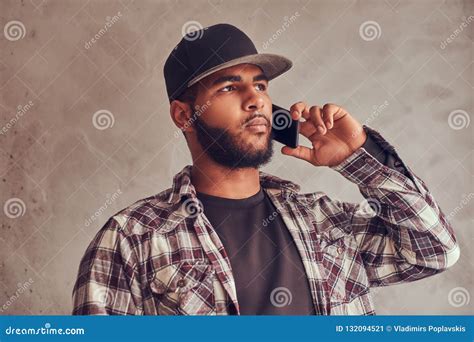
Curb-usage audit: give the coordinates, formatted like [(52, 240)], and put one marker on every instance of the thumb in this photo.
[(300, 152)]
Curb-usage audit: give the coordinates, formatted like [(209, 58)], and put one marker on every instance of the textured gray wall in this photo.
[(388, 62)]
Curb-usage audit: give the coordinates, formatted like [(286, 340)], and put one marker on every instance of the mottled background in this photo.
[(85, 127)]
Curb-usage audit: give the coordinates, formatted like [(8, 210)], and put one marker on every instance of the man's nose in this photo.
[(254, 101)]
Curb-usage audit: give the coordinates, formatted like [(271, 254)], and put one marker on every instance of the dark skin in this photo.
[(333, 132)]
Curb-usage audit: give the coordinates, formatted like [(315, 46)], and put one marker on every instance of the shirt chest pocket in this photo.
[(339, 259), (184, 288)]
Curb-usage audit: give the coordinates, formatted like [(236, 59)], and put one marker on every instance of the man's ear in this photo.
[(181, 115)]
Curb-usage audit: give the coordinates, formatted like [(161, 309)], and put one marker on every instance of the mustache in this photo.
[(257, 115)]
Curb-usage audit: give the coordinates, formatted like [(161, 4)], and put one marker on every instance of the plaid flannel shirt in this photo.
[(161, 256)]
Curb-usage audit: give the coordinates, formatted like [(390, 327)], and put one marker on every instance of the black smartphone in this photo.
[(284, 129)]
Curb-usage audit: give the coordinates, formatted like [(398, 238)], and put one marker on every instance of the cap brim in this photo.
[(272, 65)]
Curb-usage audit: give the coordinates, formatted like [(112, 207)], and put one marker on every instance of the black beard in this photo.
[(227, 151)]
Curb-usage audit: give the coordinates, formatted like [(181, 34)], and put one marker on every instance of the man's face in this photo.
[(235, 128)]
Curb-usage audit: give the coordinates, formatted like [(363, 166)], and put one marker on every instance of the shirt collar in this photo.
[(182, 186)]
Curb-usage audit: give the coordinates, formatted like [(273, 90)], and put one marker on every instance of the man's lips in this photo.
[(257, 122), (257, 125)]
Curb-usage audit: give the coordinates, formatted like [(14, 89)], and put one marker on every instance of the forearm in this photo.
[(404, 209)]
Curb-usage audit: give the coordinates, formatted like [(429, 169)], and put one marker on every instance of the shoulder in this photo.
[(143, 216)]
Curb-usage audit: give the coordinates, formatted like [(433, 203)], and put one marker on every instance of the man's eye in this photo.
[(262, 86), (227, 89)]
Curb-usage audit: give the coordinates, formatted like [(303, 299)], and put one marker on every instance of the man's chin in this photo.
[(250, 158), (235, 152), (257, 142), (258, 157)]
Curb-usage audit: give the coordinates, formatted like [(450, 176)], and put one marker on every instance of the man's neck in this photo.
[(212, 179)]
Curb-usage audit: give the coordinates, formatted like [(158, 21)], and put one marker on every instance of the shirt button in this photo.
[(340, 250), (181, 283)]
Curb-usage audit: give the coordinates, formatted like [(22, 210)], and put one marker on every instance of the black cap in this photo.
[(207, 50)]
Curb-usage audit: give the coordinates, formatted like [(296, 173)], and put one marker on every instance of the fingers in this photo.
[(333, 112), (307, 129), (324, 118), (317, 120), (328, 115), (298, 110), (300, 152)]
